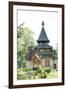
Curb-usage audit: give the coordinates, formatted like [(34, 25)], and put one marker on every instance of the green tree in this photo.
[(55, 56), (24, 40)]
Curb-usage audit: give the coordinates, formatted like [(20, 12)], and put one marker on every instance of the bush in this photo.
[(47, 69), (21, 75), (44, 75), (36, 73), (39, 70)]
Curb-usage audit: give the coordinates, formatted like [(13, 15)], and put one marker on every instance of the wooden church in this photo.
[(42, 54)]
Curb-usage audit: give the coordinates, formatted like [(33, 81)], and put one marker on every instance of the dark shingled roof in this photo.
[(43, 37)]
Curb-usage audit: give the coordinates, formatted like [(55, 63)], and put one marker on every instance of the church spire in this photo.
[(43, 23), (43, 37)]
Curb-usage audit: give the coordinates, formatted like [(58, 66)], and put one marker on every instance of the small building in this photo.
[(42, 54)]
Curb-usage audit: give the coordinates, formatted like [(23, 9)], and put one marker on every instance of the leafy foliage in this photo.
[(39, 73), (47, 69), (55, 56), (24, 40)]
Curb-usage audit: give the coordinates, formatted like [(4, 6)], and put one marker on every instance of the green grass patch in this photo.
[(53, 74)]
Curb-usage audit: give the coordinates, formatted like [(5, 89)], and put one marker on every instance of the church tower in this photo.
[(44, 50)]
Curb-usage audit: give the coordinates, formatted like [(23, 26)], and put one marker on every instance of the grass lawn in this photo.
[(52, 74)]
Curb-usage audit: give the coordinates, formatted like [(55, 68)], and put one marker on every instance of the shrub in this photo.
[(47, 69), (36, 73), (44, 75), (39, 69), (21, 75)]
